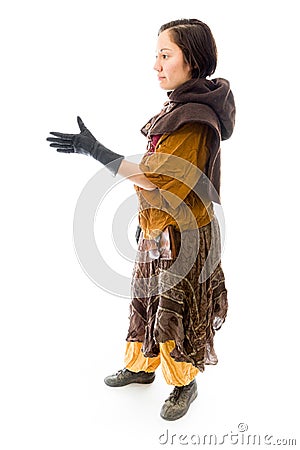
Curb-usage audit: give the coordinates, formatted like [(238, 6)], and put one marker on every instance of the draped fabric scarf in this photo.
[(210, 102)]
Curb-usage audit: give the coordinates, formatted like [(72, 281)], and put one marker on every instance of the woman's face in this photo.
[(172, 70)]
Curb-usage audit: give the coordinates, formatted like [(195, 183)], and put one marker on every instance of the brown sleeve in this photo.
[(177, 164)]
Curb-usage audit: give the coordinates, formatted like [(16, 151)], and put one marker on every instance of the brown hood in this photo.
[(197, 100), (214, 93), (210, 102)]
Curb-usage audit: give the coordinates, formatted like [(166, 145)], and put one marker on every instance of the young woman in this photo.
[(179, 297)]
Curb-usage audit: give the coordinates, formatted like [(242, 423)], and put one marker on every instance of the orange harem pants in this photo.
[(175, 373)]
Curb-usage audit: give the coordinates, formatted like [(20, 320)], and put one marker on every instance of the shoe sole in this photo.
[(130, 382)]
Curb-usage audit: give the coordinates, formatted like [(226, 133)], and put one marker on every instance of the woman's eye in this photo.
[(165, 56)]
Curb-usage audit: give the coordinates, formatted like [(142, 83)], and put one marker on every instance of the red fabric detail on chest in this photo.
[(154, 140)]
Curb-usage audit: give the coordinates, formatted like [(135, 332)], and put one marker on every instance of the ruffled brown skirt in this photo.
[(179, 294)]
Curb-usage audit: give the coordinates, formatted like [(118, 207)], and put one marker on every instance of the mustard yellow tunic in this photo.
[(174, 169)]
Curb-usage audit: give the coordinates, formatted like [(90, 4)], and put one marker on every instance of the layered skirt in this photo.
[(179, 294)]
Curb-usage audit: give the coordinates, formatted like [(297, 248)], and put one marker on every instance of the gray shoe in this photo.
[(125, 376), (179, 401)]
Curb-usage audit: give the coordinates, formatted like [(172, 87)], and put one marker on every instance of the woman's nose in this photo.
[(157, 65)]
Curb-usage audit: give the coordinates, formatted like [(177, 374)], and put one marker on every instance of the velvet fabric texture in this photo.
[(187, 305)]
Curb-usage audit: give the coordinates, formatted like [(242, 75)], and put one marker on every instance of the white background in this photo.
[(60, 333)]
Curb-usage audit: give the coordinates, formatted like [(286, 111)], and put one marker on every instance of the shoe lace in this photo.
[(121, 372), (179, 391), (175, 394)]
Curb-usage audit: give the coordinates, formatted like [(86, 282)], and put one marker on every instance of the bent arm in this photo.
[(133, 172)]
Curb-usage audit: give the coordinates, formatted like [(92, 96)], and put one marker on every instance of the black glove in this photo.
[(86, 144)]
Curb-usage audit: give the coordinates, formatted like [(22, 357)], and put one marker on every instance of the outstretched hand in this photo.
[(83, 142), (86, 144)]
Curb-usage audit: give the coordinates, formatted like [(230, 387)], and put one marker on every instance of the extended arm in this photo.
[(85, 143)]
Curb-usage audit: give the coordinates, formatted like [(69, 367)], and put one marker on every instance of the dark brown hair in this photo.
[(197, 43)]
